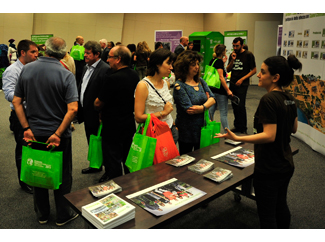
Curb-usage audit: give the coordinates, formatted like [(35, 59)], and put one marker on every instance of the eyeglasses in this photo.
[(112, 56)]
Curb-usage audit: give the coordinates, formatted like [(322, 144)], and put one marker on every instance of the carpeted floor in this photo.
[(305, 196)]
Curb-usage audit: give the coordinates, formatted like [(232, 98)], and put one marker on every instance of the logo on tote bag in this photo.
[(164, 150), (136, 147), (30, 161)]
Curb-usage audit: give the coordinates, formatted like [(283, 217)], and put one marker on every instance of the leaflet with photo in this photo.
[(105, 189), (201, 166), (165, 197), (219, 174), (108, 212), (180, 160), (239, 157)]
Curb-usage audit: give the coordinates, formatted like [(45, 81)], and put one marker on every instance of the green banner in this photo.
[(40, 38), (235, 33)]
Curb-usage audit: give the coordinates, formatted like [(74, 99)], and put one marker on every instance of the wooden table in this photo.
[(153, 175)]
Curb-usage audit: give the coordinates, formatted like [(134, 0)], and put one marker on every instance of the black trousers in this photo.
[(41, 195), (271, 201), (115, 152), (19, 134), (185, 148), (240, 115)]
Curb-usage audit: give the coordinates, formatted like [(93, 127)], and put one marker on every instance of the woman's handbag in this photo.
[(41, 168), (95, 153), (165, 148), (208, 131), (211, 76), (142, 149)]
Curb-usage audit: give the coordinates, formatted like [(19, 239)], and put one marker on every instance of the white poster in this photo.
[(304, 36)]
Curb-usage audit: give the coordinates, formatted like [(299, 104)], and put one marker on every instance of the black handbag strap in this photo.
[(155, 90)]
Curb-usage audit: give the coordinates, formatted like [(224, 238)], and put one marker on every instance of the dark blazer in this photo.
[(104, 56), (179, 49), (87, 113)]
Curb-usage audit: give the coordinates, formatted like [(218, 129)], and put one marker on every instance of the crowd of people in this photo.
[(99, 81)]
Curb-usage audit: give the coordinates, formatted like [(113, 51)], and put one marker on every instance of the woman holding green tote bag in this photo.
[(152, 94), (192, 97)]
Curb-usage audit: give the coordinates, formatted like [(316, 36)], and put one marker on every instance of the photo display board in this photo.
[(304, 36)]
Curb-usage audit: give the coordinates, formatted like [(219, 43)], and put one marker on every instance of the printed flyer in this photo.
[(166, 196)]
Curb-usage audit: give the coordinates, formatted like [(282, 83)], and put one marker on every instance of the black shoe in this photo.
[(104, 178), (90, 170), (65, 221), (27, 189), (43, 219), (235, 130)]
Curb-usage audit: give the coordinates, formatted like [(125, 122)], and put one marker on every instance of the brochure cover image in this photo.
[(166, 196)]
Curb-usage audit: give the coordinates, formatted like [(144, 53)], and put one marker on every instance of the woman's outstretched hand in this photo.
[(228, 135)]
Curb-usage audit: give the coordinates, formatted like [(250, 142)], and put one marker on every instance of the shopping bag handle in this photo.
[(100, 129), (145, 125), (206, 117), (53, 146), (214, 61)]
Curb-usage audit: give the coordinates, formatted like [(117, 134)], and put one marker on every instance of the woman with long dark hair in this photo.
[(275, 119)]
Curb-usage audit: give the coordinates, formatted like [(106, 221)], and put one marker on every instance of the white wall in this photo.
[(265, 43)]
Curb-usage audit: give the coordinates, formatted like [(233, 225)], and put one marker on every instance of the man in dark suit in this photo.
[(103, 44), (181, 47), (94, 74)]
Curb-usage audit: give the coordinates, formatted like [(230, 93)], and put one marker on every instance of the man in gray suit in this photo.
[(181, 47), (94, 74)]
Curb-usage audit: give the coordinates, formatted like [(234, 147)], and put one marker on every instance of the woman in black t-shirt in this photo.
[(221, 95), (275, 119)]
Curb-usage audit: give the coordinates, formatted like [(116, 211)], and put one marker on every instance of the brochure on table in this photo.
[(239, 157), (165, 197)]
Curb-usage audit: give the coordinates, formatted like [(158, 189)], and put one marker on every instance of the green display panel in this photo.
[(204, 43)]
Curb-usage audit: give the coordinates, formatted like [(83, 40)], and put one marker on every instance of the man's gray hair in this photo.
[(103, 41), (56, 47)]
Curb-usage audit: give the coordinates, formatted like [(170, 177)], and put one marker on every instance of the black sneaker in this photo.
[(65, 221), (43, 219)]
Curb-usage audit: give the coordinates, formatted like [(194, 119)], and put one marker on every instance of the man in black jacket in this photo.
[(94, 74)]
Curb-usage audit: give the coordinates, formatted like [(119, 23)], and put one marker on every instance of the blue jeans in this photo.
[(271, 200), (222, 102)]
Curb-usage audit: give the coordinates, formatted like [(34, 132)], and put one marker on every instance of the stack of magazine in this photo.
[(108, 212), (105, 189), (219, 174), (180, 160), (238, 156), (201, 166)]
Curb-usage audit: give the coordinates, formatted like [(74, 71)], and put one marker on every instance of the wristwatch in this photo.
[(27, 128)]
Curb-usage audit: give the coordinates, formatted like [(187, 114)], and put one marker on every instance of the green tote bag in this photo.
[(95, 153), (142, 150), (208, 131), (211, 76), (40, 168)]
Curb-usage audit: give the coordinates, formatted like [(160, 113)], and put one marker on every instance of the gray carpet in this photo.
[(305, 196)]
